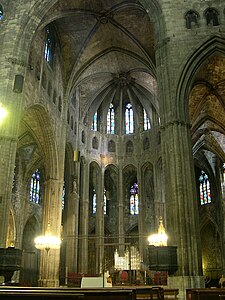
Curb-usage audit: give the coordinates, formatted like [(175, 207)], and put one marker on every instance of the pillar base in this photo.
[(185, 282), (48, 283)]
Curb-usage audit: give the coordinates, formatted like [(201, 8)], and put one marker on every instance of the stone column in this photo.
[(7, 160), (159, 194), (100, 224), (52, 215), (84, 216), (181, 206), (121, 212), (71, 229), (141, 215)]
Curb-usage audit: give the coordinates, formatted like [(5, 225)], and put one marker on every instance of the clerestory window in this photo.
[(134, 201), (129, 119), (147, 125), (111, 120), (1, 12), (35, 187), (204, 189), (95, 122), (49, 46)]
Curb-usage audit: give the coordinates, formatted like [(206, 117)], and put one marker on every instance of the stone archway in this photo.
[(31, 258), (211, 252)]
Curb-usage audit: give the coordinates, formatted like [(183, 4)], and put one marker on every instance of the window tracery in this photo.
[(49, 46), (134, 201), (95, 122), (147, 125), (35, 187), (111, 120), (129, 119), (204, 188)]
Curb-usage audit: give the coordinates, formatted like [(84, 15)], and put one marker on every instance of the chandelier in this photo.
[(160, 238), (3, 112), (47, 241)]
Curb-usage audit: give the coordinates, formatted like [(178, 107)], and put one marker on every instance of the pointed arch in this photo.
[(36, 121), (211, 46)]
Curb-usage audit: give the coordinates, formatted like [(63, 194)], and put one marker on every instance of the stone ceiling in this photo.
[(102, 41), (207, 107)]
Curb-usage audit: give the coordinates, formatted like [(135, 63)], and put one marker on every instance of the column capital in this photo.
[(175, 122)]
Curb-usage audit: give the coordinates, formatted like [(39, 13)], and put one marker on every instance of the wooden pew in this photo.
[(156, 293), (38, 295), (171, 294), (7, 293), (145, 293), (205, 294)]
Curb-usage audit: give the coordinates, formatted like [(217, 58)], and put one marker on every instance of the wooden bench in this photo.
[(8, 293), (38, 295), (171, 294), (205, 294), (145, 293)]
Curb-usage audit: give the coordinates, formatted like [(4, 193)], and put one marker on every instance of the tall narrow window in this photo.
[(63, 197), (204, 188), (1, 12), (49, 46), (111, 120), (129, 119), (105, 202), (94, 202), (35, 187), (224, 172), (95, 122), (147, 125), (134, 201)]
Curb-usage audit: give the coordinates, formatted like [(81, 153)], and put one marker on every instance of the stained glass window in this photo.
[(94, 202), (1, 12), (48, 43), (95, 122), (134, 201), (204, 188), (35, 187), (49, 46), (111, 120), (147, 125), (129, 119)]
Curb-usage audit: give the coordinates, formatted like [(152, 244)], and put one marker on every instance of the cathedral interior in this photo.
[(115, 120)]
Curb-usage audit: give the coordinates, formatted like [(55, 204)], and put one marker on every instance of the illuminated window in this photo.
[(1, 12), (49, 46), (95, 122), (204, 188), (129, 119), (147, 125), (63, 197), (134, 201), (94, 202), (224, 172), (223, 178), (35, 187), (111, 120), (105, 202)]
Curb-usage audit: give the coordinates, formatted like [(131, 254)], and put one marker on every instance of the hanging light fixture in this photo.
[(161, 256), (160, 238), (47, 241), (3, 113)]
